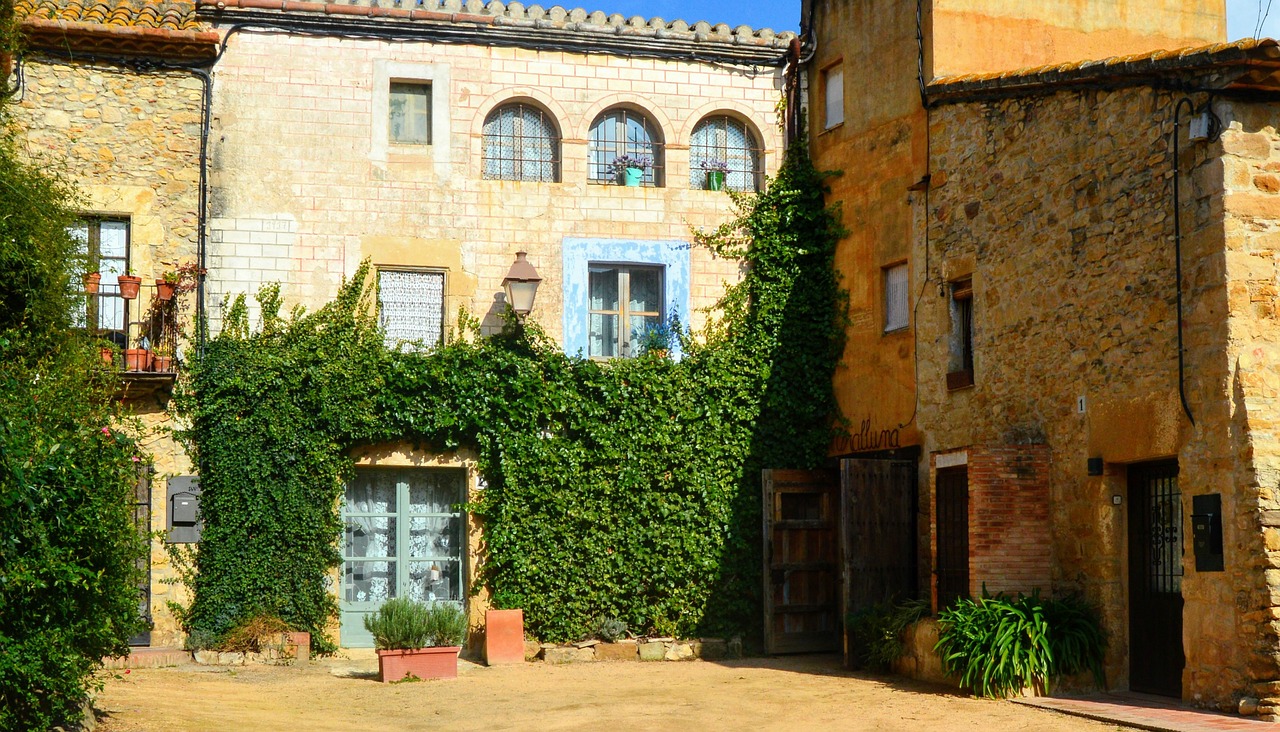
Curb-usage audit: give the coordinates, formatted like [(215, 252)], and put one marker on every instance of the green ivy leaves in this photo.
[(628, 490)]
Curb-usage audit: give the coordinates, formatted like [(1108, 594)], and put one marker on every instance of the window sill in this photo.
[(832, 128), (903, 330), (957, 380)]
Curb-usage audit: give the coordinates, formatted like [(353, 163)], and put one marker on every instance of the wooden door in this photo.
[(878, 520), (952, 533), (1155, 579), (801, 567)]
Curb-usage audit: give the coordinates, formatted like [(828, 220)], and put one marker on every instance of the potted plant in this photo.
[(129, 285), (658, 339), (630, 168), (138, 359), (91, 282), (107, 350), (166, 286), (415, 639), (162, 358), (716, 171)]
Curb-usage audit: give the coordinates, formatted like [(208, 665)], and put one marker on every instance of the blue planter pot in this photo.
[(633, 177)]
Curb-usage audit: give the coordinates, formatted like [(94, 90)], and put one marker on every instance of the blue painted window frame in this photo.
[(579, 254)]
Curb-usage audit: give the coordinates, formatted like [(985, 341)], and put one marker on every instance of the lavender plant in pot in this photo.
[(630, 169), (716, 171), (416, 639)]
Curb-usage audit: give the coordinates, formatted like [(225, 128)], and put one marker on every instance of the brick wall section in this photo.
[(1009, 547), (295, 124)]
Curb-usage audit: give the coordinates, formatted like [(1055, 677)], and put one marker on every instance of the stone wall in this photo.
[(305, 184), (130, 142), (1060, 209)]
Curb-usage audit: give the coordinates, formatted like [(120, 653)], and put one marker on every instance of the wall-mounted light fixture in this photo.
[(521, 285)]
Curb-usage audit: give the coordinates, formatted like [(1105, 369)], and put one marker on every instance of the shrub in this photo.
[(403, 624), (1000, 646), (877, 632), (252, 635), (400, 624), (446, 624), (609, 630)]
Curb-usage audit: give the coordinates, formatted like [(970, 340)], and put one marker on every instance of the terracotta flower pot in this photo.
[(164, 290), (91, 282), (108, 356), (129, 285), (162, 364), (422, 663), (137, 359)]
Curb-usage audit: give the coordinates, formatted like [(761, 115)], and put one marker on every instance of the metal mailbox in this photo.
[(183, 517), (1206, 532)]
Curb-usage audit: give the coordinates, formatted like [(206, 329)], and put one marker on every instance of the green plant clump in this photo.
[(405, 624), (628, 490), (999, 646), (877, 632), (68, 468), (609, 630)]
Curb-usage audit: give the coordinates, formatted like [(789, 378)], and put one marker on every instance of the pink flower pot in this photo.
[(422, 663)]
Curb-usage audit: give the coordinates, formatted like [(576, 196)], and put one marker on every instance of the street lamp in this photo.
[(521, 285)]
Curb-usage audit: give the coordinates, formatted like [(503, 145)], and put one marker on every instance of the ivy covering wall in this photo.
[(629, 489)]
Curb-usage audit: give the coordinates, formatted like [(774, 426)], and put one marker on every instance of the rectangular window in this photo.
[(411, 307), (105, 245), (896, 298), (625, 301), (833, 94), (960, 372), (409, 114)]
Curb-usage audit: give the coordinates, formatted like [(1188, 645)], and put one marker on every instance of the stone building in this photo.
[(1063, 289), (434, 142), (98, 107)]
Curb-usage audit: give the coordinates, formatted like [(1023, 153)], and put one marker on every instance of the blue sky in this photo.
[(1242, 15)]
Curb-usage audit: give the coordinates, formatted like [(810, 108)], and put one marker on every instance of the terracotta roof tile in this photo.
[(166, 14), (1247, 51)]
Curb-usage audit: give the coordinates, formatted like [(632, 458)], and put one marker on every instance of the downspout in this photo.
[(1177, 250)]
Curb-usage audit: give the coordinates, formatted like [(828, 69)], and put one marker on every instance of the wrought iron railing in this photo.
[(139, 331)]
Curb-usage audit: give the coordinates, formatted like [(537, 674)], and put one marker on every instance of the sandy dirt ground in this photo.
[(343, 695)]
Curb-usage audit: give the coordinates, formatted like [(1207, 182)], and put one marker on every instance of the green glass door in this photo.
[(403, 536)]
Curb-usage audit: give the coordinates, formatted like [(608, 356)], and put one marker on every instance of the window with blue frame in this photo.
[(626, 301)]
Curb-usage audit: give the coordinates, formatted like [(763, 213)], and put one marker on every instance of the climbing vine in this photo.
[(629, 489)]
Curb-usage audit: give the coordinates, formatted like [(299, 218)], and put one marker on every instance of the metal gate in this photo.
[(142, 520), (1156, 657), (878, 520), (801, 561), (952, 534)]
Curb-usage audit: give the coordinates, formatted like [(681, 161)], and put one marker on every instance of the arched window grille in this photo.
[(720, 139), (617, 132), (520, 143)]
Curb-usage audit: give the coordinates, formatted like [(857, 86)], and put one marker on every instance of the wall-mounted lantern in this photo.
[(521, 285)]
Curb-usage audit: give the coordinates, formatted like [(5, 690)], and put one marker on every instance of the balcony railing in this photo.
[(140, 333)]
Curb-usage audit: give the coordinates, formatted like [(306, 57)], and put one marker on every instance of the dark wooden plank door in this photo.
[(878, 516), (1156, 656), (801, 567), (952, 527)]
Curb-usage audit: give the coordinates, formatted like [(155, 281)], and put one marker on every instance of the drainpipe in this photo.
[(1177, 248)]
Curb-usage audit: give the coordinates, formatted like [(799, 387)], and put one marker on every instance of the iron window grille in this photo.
[(723, 139), (104, 243), (411, 307), (625, 301), (409, 113), (618, 132), (520, 143)]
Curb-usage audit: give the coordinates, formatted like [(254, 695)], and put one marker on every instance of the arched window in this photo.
[(520, 143), (618, 132), (720, 140)]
